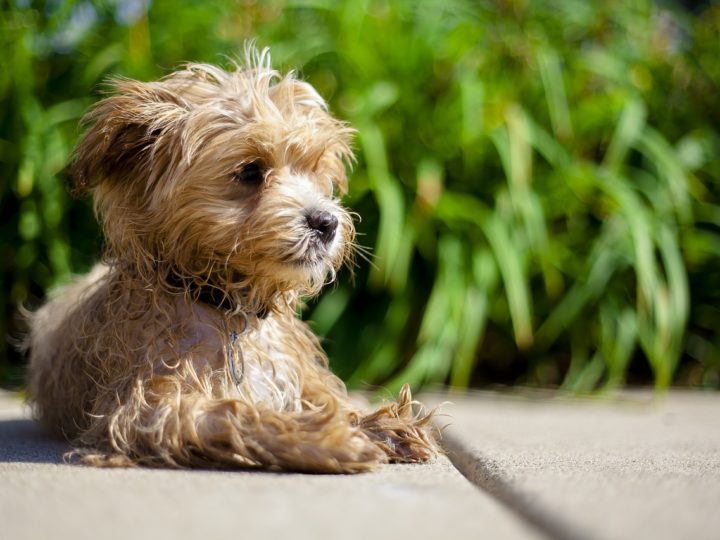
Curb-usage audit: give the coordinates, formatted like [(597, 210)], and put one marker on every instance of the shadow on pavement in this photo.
[(25, 441)]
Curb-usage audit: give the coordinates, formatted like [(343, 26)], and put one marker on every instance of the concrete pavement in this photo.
[(631, 468), (635, 467)]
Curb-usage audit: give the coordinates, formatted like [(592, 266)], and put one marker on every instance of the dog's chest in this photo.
[(259, 364), (263, 368)]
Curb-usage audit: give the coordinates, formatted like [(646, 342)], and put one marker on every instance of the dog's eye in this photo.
[(252, 174)]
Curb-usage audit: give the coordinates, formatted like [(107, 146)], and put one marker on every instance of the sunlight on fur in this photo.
[(217, 193)]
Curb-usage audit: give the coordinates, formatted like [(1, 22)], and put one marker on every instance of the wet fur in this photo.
[(130, 365)]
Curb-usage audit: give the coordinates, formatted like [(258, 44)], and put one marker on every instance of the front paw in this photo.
[(404, 436)]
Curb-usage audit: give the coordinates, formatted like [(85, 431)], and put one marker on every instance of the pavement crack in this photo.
[(490, 478)]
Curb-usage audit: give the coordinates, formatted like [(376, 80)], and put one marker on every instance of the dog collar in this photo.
[(211, 296)]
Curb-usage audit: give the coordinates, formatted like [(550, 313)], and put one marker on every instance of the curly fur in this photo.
[(130, 362)]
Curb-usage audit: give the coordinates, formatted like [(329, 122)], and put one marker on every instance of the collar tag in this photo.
[(235, 359)]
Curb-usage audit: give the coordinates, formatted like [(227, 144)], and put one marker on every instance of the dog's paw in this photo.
[(403, 435), (321, 440)]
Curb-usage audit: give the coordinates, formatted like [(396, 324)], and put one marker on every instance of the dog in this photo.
[(218, 197)]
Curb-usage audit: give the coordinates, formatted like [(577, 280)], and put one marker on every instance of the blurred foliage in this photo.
[(539, 180)]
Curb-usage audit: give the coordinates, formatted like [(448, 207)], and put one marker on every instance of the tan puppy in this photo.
[(217, 194)]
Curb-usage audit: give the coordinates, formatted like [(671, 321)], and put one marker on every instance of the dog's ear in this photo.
[(306, 95), (336, 152), (122, 132)]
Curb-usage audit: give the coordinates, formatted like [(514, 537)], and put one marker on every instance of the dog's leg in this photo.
[(319, 441), (192, 429), (402, 435)]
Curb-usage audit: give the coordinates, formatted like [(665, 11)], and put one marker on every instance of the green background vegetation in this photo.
[(539, 180)]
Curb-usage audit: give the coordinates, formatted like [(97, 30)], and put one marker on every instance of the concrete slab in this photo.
[(638, 467), (42, 498)]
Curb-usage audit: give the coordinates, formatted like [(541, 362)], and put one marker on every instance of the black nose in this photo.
[(324, 223)]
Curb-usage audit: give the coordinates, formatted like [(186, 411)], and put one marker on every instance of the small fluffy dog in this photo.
[(218, 198)]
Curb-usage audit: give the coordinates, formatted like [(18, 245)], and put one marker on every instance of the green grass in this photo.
[(539, 181)]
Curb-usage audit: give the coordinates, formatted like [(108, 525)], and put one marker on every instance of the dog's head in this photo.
[(228, 178)]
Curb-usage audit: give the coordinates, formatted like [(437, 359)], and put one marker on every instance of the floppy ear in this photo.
[(123, 130)]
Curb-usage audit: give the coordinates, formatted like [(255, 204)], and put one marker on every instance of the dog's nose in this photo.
[(324, 223)]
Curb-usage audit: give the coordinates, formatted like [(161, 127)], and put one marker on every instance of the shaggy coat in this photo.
[(217, 193)]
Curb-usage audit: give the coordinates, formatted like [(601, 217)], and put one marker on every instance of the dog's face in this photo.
[(232, 175)]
